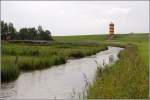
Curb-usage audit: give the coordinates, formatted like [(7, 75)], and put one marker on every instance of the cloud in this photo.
[(62, 12), (114, 11)]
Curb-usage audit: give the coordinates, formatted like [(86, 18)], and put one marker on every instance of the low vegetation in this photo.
[(18, 57), (9, 69), (127, 79)]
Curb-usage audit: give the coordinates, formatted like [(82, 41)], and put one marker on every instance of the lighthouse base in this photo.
[(111, 36)]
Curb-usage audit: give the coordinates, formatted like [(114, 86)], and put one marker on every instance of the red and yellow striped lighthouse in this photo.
[(111, 30)]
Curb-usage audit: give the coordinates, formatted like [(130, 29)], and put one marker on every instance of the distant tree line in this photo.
[(8, 32)]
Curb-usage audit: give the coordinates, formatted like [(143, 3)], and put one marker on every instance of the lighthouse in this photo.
[(111, 30)]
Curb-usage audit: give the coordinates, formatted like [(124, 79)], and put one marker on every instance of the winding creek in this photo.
[(65, 81)]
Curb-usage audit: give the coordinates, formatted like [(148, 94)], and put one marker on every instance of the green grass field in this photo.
[(139, 39), (128, 78)]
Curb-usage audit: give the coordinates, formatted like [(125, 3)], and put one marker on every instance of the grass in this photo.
[(32, 63), (9, 71), (129, 77), (17, 57)]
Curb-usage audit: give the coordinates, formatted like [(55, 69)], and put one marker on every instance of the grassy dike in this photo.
[(17, 57)]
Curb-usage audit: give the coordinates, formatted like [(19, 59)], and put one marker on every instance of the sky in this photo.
[(78, 17)]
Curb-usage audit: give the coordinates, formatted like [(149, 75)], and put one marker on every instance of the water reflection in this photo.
[(8, 90)]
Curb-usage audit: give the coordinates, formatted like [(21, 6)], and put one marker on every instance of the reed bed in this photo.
[(9, 69), (17, 57)]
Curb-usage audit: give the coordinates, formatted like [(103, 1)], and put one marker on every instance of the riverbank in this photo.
[(133, 72), (129, 77), (17, 57)]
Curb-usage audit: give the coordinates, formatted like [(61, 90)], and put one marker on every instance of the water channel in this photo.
[(65, 81)]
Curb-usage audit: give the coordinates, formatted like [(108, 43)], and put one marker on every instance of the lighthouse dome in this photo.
[(111, 23)]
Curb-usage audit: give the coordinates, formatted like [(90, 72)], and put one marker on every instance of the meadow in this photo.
[(128, 78)]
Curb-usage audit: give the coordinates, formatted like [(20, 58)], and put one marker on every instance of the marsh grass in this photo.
[(18, 57), (33, 63), (9, 71), (128, 78), (124, 80)]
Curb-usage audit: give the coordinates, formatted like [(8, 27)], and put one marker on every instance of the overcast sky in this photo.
[(78, 17)]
